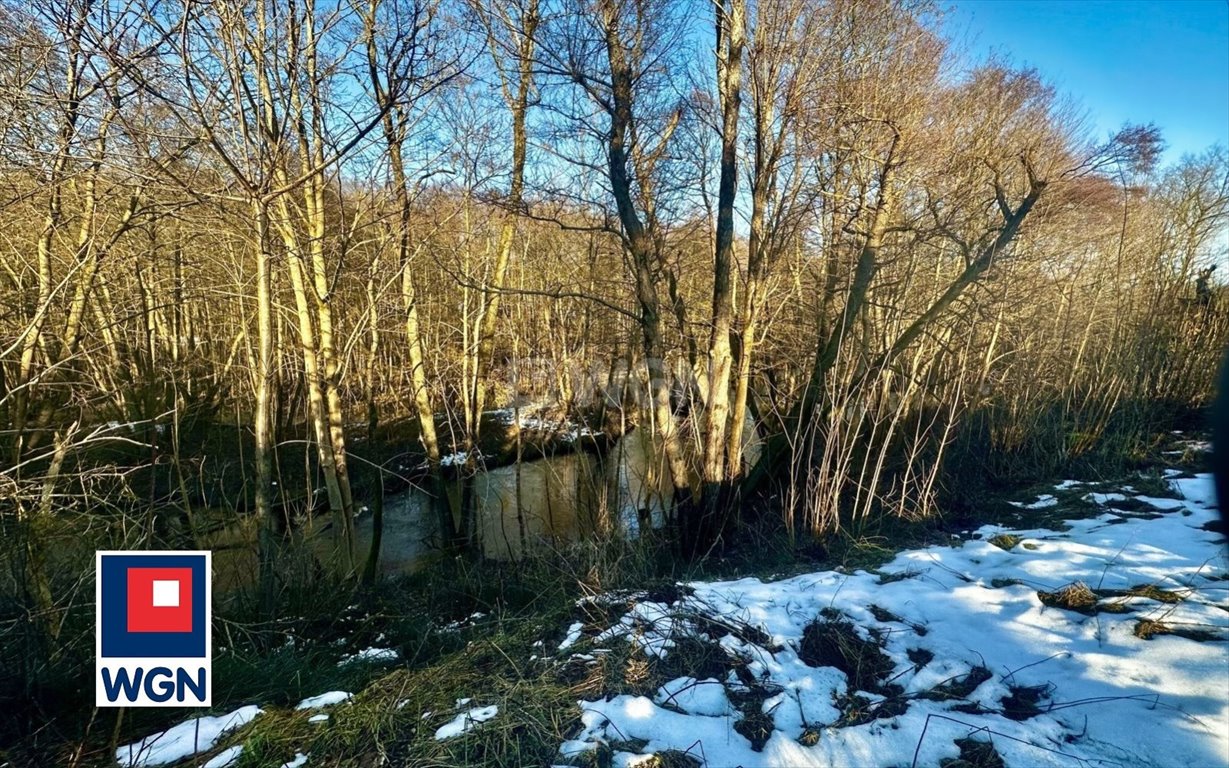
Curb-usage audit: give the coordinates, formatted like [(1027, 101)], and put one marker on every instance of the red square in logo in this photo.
[(159, 599)]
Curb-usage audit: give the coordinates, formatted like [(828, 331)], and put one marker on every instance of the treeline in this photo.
[(811, 221)]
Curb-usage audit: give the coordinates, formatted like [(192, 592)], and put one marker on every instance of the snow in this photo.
[(1043, 501), (459, 458), (225, 758), (1190, 446), (531, 419), (572, 636), (371, 656), (299, 761), (323, 700), (1102, 499), (320, 718), (184, 740), (695, 697), (1106, 696), (465, 721)]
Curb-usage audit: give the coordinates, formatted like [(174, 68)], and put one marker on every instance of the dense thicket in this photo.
[(234, 229)]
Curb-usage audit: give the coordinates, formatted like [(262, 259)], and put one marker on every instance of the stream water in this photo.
[(541, 503), (517, 508)]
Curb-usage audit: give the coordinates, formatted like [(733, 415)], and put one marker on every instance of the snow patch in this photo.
[(572, 636), (459, 458), (371, 656), (323, 700), (695, 697), (225, 758), (957, 627), (184, 740), (1043, 501), (465, 722)]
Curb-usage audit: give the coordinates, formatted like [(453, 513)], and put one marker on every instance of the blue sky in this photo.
[(1140, 61)]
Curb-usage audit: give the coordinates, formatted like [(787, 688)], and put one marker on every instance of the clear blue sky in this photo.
[(1139, 61)]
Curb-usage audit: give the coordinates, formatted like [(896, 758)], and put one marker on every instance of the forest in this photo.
[(427, 312)]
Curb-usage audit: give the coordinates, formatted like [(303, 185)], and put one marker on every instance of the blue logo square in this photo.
[(117, 641)]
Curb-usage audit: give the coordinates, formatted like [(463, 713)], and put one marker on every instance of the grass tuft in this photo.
[(1072, 597)]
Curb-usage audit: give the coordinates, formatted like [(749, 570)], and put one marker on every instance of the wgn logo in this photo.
[(154, 638)]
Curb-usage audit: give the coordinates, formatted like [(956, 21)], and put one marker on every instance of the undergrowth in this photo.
[(464, 628)]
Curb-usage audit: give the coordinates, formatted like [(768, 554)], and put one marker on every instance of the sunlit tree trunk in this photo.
[(730, 30)]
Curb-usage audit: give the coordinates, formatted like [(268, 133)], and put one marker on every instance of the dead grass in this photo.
[(1073, 597), (756, 725), (1146, 629), (1079, 597), (1153, 592)]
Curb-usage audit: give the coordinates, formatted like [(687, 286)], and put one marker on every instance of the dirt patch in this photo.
[(974, 754), (668, 594), (692, 657), (833, 641), (859, 710), (889, 578), (959, 687), (886, 616), (1024, 701), (717, 629), (883, 614), (920, 657)]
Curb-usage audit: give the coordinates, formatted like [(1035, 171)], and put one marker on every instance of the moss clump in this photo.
[(1005, 541)]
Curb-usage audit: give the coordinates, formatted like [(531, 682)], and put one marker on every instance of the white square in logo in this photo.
[(166, 594)]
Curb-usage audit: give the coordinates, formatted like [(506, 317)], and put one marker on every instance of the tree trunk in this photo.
[(730, 26)]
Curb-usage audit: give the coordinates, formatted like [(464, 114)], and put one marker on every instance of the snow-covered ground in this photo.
[(1103, 641), (947, 644)]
